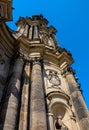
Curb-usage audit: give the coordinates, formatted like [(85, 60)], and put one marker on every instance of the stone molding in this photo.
[(68, 70)]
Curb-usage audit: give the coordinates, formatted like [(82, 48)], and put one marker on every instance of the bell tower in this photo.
[(40, 90)]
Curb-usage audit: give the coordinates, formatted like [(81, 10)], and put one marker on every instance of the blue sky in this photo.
[(71, 19)]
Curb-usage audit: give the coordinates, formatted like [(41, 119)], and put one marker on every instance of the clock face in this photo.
[(53, 77)]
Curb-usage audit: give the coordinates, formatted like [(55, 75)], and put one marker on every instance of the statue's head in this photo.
[(59, 117)]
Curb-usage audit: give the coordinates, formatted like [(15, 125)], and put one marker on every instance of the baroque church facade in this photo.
[(38, 87)]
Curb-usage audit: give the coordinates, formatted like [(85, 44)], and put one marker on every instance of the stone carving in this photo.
[(53, 77), (35, 59), (59, 125)]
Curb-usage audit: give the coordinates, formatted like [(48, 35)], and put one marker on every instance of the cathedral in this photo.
[(38, 87)]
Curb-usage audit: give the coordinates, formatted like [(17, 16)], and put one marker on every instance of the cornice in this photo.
[(49, 56), (58, 59), (65, 57), (35, 20), (28, 47), (31, 22)]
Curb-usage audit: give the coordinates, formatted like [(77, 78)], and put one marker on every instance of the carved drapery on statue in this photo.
[(59, 125)]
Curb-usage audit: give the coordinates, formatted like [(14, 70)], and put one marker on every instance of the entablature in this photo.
[(27, 47)]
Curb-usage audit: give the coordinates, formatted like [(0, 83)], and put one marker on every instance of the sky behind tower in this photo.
[(71, 19)]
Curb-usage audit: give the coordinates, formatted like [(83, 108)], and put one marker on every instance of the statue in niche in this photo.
[(59, 125), (53, 78)]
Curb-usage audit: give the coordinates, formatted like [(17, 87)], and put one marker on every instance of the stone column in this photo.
[(19, 27), (30, 32), (51, 42), (25, 99), (37, 103), (35, 36), (78, 101), (21, 30), (26, 30), (54, 39), (9, 113), (50, 121)]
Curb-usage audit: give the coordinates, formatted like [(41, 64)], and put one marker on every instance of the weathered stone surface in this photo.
[(84, 123), (37, 110), (4, 68), (23, 122), (78, 102), (8, 117)]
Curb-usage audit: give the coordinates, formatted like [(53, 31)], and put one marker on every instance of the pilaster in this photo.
[(30, 32), (81, 110), (23, 122), (35, 32)]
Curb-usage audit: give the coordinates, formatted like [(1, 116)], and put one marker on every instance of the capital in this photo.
[(36, 60)]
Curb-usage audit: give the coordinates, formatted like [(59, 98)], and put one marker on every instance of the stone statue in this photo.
[(59, 125)]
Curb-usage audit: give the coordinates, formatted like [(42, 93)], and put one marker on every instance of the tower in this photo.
[(38, 89)]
